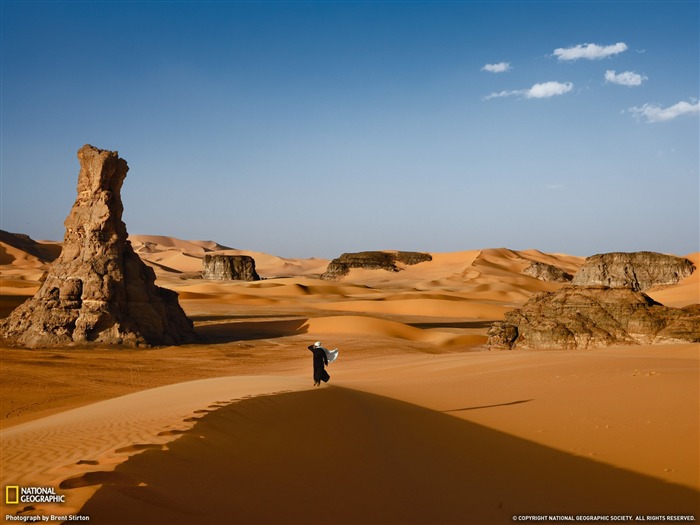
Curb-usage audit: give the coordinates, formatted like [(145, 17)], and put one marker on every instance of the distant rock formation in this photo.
[(594, 316), (228, 267), (547, 272), (604, 306), (637, 270), (98, 290), (372, 260)]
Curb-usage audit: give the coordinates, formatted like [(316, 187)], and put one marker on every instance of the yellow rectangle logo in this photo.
[(11, 495)]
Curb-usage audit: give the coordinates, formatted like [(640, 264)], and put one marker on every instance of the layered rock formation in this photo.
[(594, 316), (637, 270), (98, 290), (547, 272), (372, 260), (604, 306), (229, 267)]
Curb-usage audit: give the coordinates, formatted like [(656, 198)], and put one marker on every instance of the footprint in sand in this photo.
[(173, 432), (223, 403), (138, 447), (97, 478)]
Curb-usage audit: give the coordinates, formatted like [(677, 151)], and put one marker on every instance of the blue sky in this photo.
[(315, 128)]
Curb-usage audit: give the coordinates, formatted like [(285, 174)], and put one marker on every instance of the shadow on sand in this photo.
[(250, 330), (334, 455), (488, 406), (450, 324)]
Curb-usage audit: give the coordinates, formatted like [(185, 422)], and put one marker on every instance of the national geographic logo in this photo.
[(11, 495), (14, 495)]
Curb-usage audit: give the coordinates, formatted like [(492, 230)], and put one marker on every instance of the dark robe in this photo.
[(320, 359)]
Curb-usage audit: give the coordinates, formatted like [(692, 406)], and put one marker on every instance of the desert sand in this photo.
[(420, 422)]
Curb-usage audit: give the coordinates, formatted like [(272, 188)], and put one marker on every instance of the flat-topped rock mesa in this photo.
[(547, 272), (229, 267), (594, 316), (372, 260), (636, 270), (98, 290)]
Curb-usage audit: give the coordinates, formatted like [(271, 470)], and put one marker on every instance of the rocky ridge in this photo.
[(98, 290), (547, 272), (588, 314), (594, 316), (372, 260), (636, 270)]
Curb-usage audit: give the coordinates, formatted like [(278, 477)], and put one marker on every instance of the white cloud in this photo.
[(626, 78), (548, 89), (658, 114), (541, 90), (501, 67), (589, 51)]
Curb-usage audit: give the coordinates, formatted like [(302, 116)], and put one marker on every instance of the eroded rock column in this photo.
[(98, 290)]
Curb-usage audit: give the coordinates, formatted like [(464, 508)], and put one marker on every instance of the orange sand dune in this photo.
[(176, 255), (419, 423), (381, 328), (342, 456), (20, 265), (633, 407), (270, 266), (160, 243), (502, 269), (476, 271), (95, 438), (427, 307), (177, 261), (454, 438), (20, 273), (442, 266), (9, 255), (684, 293), (569, 263)]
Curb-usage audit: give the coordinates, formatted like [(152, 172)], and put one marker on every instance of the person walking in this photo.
[(320, 361)]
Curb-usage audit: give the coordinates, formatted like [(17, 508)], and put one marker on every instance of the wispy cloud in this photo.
[(501, 94), (501, 67), (626, 78), (654, 113), (589, 51), (541, 90)]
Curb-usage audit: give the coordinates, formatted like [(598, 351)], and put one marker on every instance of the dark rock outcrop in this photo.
[(412, 258), (98, 290), (229, 267), (372, 260), (594, 316), (547, 272), (637, 270)]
